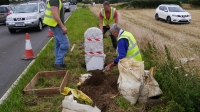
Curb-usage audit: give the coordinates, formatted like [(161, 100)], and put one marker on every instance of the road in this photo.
[(12, 48)]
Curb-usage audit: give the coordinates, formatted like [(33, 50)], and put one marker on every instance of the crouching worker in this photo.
[(108, 16), (126, 46)]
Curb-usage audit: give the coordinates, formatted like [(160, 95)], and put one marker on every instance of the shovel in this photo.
[(104, 70)]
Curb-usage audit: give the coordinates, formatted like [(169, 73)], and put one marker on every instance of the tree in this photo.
[(4, 2)]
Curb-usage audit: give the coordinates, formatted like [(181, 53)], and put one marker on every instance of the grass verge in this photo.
[(181, 92), (78, 23)]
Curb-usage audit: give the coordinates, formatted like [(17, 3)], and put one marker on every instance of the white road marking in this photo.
[(16, 82)]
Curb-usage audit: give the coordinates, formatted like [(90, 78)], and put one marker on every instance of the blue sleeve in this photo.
[(122, 46)]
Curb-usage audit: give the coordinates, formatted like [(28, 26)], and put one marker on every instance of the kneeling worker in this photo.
[(126, 46)]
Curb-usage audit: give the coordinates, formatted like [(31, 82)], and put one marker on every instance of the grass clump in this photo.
[(122, 102), (180, 90), (47, 82)]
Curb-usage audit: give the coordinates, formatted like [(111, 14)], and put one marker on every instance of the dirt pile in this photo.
[(100, 88)]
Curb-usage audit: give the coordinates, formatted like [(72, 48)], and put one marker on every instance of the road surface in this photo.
[(12, 48)]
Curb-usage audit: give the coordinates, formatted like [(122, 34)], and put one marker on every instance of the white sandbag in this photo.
[(130, 78), (150, 87), (67, 110), (69, 104), (143, 94), (154, 89)]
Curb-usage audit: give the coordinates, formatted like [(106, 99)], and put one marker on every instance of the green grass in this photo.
[(47, 82), (78, 23), (79, 4), (122, 102), (182, 93), (82, 4)]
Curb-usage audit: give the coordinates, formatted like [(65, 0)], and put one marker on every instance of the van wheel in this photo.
[(157, 17), (169, 20), (40, 26), (12, 30)]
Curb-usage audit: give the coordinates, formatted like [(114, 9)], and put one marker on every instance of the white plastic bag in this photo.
[(70, 105), (130, 78)]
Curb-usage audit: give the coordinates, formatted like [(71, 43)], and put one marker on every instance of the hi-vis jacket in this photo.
[(109, 21), (133, 50), (48, 17)]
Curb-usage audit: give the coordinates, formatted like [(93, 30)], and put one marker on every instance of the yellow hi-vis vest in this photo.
[(109, 21), (133, 50), (48, 17)]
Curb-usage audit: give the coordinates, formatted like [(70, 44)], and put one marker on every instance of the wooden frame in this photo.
[(29, 89)]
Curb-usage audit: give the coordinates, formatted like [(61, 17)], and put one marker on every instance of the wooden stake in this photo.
[(72, 47)]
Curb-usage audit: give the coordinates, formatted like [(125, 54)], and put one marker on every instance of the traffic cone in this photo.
[(50, 33), (28, 49)]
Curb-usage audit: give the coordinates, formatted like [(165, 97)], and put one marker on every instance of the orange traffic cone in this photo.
[(28, 49), (50, 33)]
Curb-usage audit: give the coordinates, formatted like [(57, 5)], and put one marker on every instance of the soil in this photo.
[(101, 88), (153, 102)]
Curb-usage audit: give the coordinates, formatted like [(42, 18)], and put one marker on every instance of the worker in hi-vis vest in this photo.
[(127, 46), (54, 18), (108, 16)]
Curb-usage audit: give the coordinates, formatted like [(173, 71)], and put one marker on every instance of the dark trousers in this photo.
[(113, 38)]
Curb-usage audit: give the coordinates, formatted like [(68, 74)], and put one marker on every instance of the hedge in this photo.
[(4, 2), (150, 4), (195, 2)]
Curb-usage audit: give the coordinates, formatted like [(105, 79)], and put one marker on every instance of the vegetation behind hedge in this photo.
[(195, 2)]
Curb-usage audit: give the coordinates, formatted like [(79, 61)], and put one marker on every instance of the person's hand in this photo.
[(64, 29), (108, 67)]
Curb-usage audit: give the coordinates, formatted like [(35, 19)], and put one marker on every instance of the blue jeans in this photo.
[(62, 44)]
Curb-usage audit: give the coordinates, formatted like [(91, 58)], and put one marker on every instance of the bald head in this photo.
[(106, 3), (106, 6)]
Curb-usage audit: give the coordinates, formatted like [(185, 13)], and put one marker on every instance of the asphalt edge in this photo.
[(16, 82)]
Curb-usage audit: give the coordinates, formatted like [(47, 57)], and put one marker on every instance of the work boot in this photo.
[(59, 66), (64, 65)]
